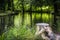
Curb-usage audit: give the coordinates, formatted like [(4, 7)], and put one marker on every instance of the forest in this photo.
[(18, 18)]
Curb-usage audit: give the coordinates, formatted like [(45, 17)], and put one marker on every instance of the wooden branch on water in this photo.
[(7, 13), (38, 11)]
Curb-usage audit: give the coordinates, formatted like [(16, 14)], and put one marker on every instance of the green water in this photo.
[(36, 17)]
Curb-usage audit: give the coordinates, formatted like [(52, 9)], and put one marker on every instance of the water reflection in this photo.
[(36, 17)]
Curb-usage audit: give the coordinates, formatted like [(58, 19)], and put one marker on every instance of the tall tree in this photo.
[(22, 3), (55, 14), (31, 13)]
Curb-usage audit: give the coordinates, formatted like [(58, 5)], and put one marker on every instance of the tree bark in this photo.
[(2, 25), (9, 4), (31, 14), (55, 14), (22, 12)]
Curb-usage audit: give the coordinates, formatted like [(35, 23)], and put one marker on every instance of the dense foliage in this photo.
[(18, 23), (19, 33)]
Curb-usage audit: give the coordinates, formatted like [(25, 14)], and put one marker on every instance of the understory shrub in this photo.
[(19, 33)]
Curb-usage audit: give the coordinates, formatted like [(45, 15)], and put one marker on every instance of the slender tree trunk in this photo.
[(31, 14), (35, 19), (41, 14), (2, 25), (55, 14), (9, 4), (12, 5), (9, 20), (22, 12), (31, 18)]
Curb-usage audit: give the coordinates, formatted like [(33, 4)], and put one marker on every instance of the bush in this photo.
[(20, 33)]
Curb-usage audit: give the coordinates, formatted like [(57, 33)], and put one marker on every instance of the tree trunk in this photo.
[(12, 5), (2, 25), (55, 14), (22, 12), (31, 14), (9, 4)]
